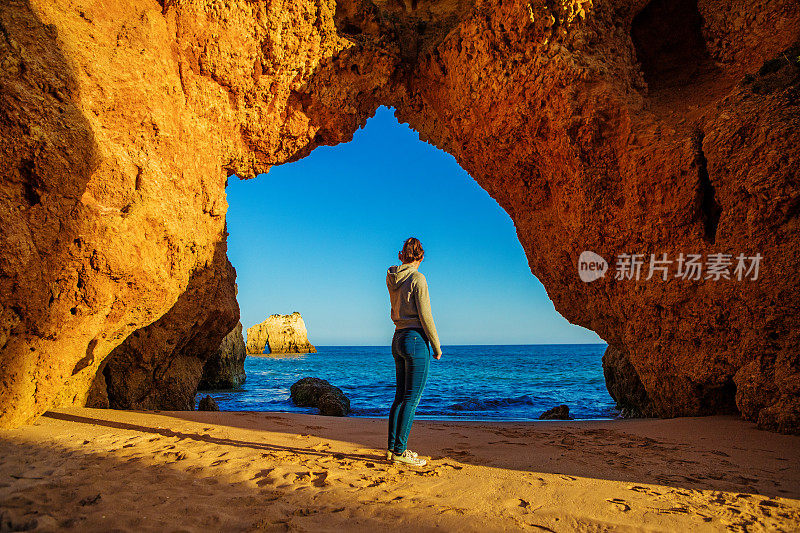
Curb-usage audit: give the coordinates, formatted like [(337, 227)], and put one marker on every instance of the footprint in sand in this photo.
[(456, 452), (319, 479), (537, 481), (178, 456), (377, 482), (302, 477), (265, 477), (644, 490), (321, 446), (678, 509), (433, 472), (621, 505)]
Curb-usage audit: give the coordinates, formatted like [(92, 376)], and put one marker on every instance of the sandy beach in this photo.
[(104, 470)]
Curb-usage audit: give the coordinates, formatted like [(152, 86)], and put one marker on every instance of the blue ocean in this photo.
[(510, 382)]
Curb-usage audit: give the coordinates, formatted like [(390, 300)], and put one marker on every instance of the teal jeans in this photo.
[(411, 360)]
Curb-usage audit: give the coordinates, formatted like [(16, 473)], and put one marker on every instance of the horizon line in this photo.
[(486, 344)]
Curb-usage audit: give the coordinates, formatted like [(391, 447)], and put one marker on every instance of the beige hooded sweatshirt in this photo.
[(411, 305)]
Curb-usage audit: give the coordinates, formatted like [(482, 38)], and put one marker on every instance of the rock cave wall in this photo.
[(224, 369), (587, 124)]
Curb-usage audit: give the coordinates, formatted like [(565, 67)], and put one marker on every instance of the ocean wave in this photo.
[(474, 404)]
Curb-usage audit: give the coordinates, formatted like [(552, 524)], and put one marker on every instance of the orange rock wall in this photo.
[(620, 126)]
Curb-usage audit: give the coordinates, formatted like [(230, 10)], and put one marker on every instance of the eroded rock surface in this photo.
[(281, 334), (121, 122), (624, 385), (624, 126), (224, 369), (160, 366)]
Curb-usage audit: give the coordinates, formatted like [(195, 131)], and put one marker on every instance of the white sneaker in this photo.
[(390, 454), (408, 458)]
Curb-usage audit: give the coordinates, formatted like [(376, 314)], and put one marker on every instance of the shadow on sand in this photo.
[(679, 453), (106, 470)]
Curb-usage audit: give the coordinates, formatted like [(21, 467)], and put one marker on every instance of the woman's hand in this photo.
[(437, 357)]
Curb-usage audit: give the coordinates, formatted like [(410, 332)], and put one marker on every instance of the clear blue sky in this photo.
[(316, 236)]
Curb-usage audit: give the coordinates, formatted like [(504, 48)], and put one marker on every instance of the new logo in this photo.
[(591, 266)]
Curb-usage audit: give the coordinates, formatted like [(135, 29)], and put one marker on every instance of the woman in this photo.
[(414, 330)]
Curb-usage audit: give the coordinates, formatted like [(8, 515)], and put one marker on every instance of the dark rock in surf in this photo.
[(208, 404), (560, 412), (315, 392), (305, 392), (334, 404)]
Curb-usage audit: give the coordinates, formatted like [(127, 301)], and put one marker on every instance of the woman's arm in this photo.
[(425, 314)]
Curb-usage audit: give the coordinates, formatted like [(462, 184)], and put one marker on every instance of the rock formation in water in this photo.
[(257, 338), (559, 412), (207, 403), (281, 334), (619, 127), (319, 393), (224, 369)]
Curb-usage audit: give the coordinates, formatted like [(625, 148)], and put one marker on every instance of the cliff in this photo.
[(281, 333), (160, 365), (224, 369), (619, 127)]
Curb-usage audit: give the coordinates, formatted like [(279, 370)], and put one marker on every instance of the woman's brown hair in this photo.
[(412, 251)]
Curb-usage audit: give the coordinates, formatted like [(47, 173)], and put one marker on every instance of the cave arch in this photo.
[(540, 103), (371, 191)]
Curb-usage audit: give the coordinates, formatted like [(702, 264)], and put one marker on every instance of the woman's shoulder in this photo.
[(418, 277)]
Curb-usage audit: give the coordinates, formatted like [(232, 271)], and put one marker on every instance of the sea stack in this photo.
[(281, 334)]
